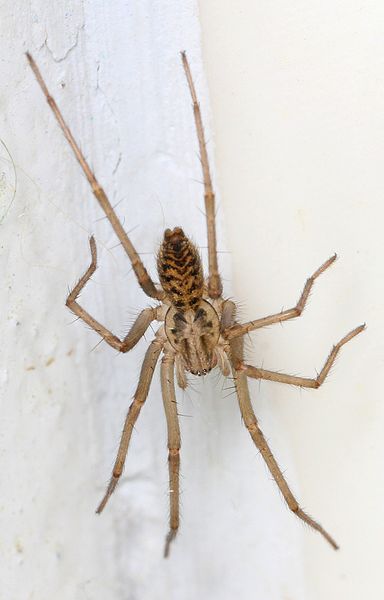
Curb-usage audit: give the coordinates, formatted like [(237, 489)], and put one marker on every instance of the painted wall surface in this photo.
[(296, 93), (115, 70)]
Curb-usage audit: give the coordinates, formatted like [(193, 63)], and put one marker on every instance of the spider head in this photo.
[(194, 333)]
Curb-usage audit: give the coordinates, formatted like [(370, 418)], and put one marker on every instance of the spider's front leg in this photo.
[(139, 398), (138, 328), (170, 408), (238, 330), (261, 444)]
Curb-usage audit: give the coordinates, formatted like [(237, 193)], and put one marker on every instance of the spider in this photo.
[(198, 332)]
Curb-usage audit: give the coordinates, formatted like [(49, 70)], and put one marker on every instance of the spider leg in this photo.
[(142, 275), (291, 313), (261, 444), (215, 287), (181, 375), (136, 332), (170, 408), (257, 373), (228, 314), (140, 397)]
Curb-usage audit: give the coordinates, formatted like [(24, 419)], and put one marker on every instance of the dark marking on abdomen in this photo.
[(180, 270)]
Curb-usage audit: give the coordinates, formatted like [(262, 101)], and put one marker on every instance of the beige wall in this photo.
[(297, 99), (297, 94)]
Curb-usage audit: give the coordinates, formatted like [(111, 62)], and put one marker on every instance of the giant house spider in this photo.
[(198, 328)]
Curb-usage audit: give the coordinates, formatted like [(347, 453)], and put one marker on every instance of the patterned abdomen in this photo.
[(180, 270)]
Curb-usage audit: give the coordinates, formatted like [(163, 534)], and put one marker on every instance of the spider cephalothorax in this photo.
[(194, 333), (197, 332)]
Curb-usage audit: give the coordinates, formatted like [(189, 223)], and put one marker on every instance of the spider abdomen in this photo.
[(180, 270)]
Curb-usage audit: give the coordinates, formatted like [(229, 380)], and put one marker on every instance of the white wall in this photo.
[(297, 94), (115, 70)]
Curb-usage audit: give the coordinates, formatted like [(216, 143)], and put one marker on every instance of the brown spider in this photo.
[(198, 330)]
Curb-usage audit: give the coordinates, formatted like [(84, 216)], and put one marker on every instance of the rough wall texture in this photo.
[(115, 70)]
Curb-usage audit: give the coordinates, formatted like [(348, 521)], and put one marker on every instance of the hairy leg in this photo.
[(227, 315), (257, 373), (238, 330), (261, 444), (215, 287), (170, 407), (136, 332), (140, 397), (142, 275)]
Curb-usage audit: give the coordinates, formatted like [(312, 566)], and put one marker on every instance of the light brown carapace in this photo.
[(198, 328)]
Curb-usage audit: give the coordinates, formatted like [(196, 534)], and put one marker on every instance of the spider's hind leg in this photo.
[(141, 273), (215, 287)]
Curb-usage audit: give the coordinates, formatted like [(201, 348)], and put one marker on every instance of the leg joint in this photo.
[(252, 427), (174, 451)]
